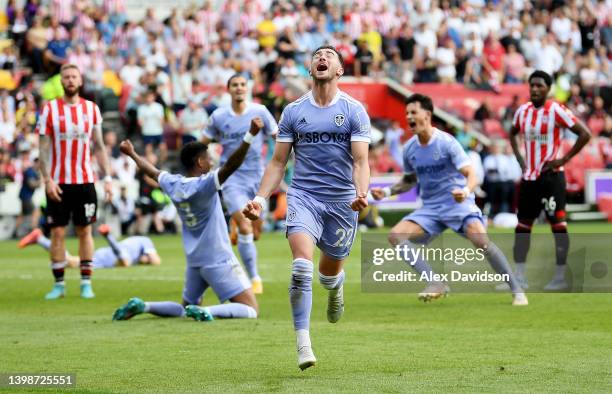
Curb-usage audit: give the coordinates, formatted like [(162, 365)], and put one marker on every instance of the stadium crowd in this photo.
[(165, 76)]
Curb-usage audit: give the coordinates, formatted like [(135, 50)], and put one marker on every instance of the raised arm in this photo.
[(275, 171), (405, 184), (236, 158), (149, 169), (361, 174), (100, 152)]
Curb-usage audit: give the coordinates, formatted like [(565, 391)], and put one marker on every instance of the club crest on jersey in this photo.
[(436, 154), (291, 216), (339, 120), (545, 119)]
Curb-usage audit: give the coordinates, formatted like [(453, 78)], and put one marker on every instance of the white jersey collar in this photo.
[(246, 109), (334, 100)]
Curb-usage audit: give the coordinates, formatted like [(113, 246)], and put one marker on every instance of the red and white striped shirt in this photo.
[(63, 10), (114, 6), (70, 128), (541, 129)]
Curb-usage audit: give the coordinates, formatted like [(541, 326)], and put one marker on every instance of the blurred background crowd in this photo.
[(164, 75)]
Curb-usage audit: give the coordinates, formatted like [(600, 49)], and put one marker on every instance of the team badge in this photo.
[(291, 216), (436, 154), (339, 120)]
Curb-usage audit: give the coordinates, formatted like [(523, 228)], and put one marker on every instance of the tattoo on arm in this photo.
[(407, 183)]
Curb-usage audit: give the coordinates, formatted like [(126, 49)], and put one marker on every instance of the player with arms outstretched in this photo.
[(228, 125), (541, 122), (447, 180), (210, 259), (330, 133)]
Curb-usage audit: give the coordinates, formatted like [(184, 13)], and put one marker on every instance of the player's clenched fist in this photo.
[(252, 210), (256, 125), (360, 202), (126, 147), (460, 194)]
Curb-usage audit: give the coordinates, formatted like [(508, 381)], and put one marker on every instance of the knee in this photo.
[(83, 231), (560, 227), (301, 273), (396, 238), (58, 232), (524, 226)]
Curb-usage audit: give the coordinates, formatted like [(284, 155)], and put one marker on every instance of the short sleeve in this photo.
[(270, 123), (148, 246), (285, 126), (408, 168), (516, 119), (457, 155), (180, 188), (564, 117), (97, 117), (45, 124), (211, 131), (360, 125)]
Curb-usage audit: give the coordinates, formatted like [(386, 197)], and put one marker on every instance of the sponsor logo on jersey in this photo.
[(434, 169), (324, 137)]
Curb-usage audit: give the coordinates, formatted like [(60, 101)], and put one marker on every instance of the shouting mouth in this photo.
[(322, 67)]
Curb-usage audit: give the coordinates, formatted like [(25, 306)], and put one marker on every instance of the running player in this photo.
[(330, 133)]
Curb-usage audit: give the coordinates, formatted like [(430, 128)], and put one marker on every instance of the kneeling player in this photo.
[(130, 251), (446, 181), (210, 259)]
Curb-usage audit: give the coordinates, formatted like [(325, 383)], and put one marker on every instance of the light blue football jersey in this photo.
[(205, 235), (228, 128), (132, 248), (321, 138), (437, 167)]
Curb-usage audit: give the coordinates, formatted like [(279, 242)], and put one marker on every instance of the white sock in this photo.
[(303, 338)]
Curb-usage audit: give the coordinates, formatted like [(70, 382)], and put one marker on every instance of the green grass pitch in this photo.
[(384, 342)]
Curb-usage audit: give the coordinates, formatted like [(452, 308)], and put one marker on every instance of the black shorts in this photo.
[(547, 193), (78, 201)]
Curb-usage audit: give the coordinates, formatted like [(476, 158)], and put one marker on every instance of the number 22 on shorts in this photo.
[(342, 235)]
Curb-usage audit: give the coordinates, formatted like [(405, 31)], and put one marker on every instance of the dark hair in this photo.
[(232, 78), (425, 101), (541, 74), (190, 153), (333, 49)]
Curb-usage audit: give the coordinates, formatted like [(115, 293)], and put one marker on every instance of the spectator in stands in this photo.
[(364, 59), (192, 121), (499, 184), (125, 207), (445, 60), (56, 53), (514, 66), (151, 119), (7, 170)]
